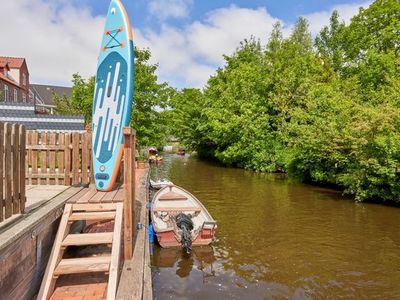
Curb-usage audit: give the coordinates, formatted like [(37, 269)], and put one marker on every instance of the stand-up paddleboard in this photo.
[(113, 96)]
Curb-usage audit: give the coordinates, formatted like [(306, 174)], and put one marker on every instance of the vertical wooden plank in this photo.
[(7, 170), (22, 174), (52, 158), (85, 158), (128, 200), (43, 158), (67, 159), (48, 281), (28, 158), (115, 254), (61, 157), (15, 168), (75, 158), (1, 171), (35, 142)]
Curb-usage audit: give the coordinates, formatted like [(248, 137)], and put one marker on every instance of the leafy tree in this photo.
[(329, 43)]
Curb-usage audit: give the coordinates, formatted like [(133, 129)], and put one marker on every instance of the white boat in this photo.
[(159, 184), (180, 219)]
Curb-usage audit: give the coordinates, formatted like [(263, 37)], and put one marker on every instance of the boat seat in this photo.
[(176, 209), (172, 196)]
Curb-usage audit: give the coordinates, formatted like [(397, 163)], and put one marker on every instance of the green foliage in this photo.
[(325, 113)]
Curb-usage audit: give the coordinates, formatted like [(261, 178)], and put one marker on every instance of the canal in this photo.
[(278, 239)]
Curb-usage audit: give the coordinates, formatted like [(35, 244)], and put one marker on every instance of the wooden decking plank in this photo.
[(84, 198), (78, 196), (92, 216), (97, 197), (119, 196), (108, 197), (88, 239), (83, 265)]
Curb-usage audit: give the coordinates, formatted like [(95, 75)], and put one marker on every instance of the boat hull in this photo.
[(168, 239)]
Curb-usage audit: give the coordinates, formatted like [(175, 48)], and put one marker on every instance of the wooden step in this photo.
[(94, 207), (88, 239), (92, 216), (83, 265)]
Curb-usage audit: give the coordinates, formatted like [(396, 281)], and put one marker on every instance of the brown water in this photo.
[(277, 239)]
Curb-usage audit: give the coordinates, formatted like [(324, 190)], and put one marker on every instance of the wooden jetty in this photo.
[(33, 239)]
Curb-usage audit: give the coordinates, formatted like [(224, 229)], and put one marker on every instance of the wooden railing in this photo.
[(58, 158), (12, 168)]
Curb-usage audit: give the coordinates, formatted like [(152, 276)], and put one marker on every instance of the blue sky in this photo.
[(187, 38)]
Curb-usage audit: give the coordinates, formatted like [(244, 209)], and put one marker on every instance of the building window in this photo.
[(23, 79), (23, 97), (6, 92), (15, 95)]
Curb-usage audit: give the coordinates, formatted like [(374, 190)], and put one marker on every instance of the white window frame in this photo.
[(23, 79), (23, 97), (6, 93), (15, 95)]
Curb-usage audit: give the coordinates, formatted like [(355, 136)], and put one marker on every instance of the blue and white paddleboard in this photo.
[(113, 96)]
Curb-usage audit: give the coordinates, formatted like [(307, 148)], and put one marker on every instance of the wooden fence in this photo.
[(58, 158), (12, 168)]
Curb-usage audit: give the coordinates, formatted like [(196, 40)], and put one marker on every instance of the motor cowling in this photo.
[(185, 223)]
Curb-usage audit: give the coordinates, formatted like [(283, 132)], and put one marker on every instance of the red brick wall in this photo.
[(11, 88)]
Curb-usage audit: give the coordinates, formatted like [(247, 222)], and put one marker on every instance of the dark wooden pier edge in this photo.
[(26, 241)]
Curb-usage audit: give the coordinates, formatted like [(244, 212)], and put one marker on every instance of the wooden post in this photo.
[(52, 158), (1, 170), (75, 158), (22, 158), (7, 170), (43, 159), (129, 186), (67, 158), (15, 168)]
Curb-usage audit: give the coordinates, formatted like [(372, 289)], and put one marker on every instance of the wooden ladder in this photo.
[(58, 265)]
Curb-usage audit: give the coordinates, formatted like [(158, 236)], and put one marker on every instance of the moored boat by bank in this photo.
[(180, 220)]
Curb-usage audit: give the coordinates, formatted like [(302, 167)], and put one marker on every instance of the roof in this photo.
[(13, 62), (4, 64), (22, 113), (45, 92)]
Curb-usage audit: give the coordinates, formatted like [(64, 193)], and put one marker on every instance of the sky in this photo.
[(187, 38)]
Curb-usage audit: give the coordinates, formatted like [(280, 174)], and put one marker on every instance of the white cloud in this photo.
[(58, 39), (164, 9), (56, 42), (224, 28), (191, 55), (320, 19)]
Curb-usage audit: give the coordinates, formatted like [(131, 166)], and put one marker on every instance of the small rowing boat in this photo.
[(160, 183), (180, 219)]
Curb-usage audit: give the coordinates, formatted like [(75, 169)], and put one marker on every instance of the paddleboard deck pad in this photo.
[(113, 96)]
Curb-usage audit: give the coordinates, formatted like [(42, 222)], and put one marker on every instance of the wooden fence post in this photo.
[(7, 170), (22, 158), (15, 168), (129, 186)]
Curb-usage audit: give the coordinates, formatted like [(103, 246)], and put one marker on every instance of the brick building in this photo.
[(14, 79)]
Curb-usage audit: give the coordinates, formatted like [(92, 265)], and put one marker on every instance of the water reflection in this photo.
[(278, 239), (202, 258)]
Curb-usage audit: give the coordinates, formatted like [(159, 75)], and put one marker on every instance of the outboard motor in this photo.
[(185, 223)]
